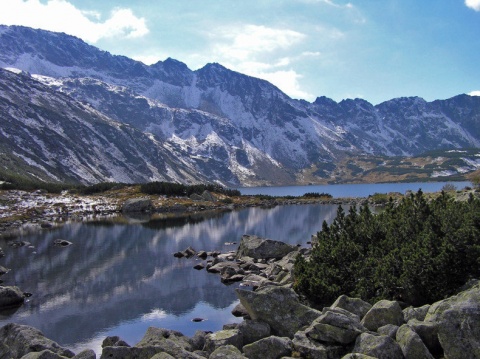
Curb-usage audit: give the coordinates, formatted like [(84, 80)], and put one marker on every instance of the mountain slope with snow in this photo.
[(231, 127), (49, 136)]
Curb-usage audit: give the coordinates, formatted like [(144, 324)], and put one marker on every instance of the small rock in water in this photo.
[(61, 243), (18, 244), (189, 252), (202, 254), (196, 320), (199, 266), (4, 270)]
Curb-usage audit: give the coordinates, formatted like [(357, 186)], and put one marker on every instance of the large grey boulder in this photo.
[(428, 332), (11, 296), (159, 336), (44, 354), (382, 313), (158, 340), (253, 330), (227, 352), (458, 322), (86, 354), (269, 348), (22, 339), (353, 305), (279, 307), (142, 204), (415, 313), (162, 356), (155, 341), (198, 340), (262, 248), (208, 196), (129, 352), (389, 330), (114, 341), (148, 352), (411, 344), (335, 327), (47, 354), (218, 339), (312, 349), (378, 346)]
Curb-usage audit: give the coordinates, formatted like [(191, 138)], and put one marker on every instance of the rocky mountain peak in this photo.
[(227, 126)]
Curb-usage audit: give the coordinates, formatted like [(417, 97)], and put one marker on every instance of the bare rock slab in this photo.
[(378, 346), (279, 307), (382, 313), (458, 322), (263, 248), (22, 339)]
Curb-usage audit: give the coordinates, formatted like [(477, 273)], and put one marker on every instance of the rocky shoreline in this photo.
[(278, 325), (22, 211)]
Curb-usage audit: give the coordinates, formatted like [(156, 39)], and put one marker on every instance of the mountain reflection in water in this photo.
[(119, 279)]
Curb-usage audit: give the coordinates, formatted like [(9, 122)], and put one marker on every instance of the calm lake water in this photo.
[(351, 190), (119, 279)]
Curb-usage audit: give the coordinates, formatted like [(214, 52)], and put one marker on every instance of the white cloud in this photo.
[(474, 93), (62, 16), (155, 314), (311, 54), (329, 2), (287, 81), (262, 52), (473, 4), (243, 42), (149, 59)]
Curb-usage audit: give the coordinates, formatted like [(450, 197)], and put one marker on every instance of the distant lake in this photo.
[(351, 190), (119, 279)]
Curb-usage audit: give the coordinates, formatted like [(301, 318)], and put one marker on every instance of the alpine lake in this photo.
[(120, 279)]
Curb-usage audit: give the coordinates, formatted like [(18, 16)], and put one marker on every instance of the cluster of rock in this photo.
[(256, 262), (277, 325)]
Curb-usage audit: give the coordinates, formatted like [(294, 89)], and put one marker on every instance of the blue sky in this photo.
[(371, 49)]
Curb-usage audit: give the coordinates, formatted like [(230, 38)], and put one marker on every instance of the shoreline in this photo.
[(23, 212)]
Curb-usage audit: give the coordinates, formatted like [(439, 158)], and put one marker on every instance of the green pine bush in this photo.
[(417, 252)]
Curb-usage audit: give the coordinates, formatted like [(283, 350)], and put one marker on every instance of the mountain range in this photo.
[(72, 112)]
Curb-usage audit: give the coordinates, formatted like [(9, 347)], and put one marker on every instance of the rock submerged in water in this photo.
[(61, 243), (11, 297)]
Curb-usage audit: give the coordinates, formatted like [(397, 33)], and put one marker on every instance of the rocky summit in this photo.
[(100, 117)]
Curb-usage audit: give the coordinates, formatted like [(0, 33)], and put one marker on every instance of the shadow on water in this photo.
[(118, 279)]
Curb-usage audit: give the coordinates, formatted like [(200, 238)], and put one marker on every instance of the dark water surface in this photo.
[(119, 279)]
